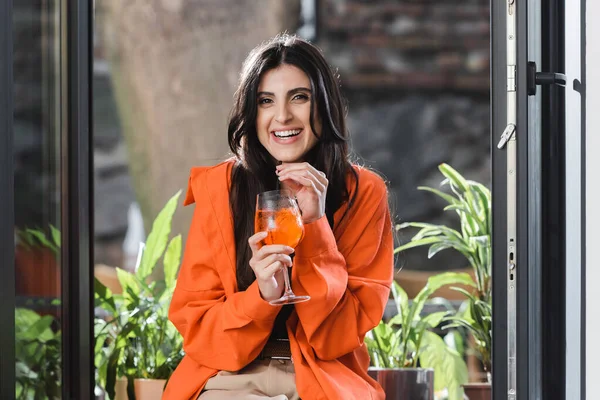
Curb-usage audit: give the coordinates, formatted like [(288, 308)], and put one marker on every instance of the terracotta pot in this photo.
[(478, 391), (121, 389), (149, 389), (405, 383), (38, 276)]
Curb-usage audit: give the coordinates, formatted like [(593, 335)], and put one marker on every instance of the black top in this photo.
[(279, 329)]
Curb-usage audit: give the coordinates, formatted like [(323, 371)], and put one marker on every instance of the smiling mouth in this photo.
[(286, 134)]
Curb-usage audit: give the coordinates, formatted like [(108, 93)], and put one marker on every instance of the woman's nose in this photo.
[(283, 114)]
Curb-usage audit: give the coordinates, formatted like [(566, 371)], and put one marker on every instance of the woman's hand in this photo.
[(309, 185), (267, 262)]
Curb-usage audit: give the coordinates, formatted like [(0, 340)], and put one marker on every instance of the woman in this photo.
[(287, 128)]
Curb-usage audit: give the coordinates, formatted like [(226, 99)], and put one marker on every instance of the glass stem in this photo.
[(286, 279)]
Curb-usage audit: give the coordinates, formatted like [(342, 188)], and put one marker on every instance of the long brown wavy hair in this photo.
[(254, 169)]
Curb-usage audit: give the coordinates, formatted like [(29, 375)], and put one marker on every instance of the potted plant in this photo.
[(135, 339), (409, 360), (38, 356), (472, 202), (37, 270)]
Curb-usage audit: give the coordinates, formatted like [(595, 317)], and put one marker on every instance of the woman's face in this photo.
[(283, 116)]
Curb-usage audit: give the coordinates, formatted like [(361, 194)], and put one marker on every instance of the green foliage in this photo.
[(405, 341), (450, 368), (137, 340), (472, 203), (36, 238), (37, 338), (38, 356)]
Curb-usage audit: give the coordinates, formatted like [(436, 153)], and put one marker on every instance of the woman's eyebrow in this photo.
[(298, 89), (290, 92)]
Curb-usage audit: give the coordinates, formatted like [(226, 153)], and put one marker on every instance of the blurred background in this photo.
[(415, 73)]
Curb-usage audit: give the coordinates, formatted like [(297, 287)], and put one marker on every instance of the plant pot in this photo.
[(121, 389), (149, 389), (404, 383), (478, 391), (38, 277)]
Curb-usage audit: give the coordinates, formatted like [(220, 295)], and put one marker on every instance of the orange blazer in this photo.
[(347, 273)]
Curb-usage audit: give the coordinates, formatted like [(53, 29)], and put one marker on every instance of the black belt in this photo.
[(276, 349)]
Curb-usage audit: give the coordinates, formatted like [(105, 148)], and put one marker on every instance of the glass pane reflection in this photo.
[(37, 83)]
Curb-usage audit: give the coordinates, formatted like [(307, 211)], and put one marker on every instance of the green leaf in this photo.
[(428, 231), (103, 296), (450, 370), (456, 207), (172, 260), (455, 341), (485, 198), (158, 238), (24, 318), (434, 283), (396, 320), (39, 330), (437, 247), (41, 237), (433, 320), (417, 243), (449, 198), (128, 282), (454, 177), (400, 298), (55, 235)]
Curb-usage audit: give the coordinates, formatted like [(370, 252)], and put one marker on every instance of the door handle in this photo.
[(535, 78)]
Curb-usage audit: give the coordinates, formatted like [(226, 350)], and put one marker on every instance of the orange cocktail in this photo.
[(277, 213), (283, 226)]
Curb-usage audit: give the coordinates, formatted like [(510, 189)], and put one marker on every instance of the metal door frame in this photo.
[(527, 229), (77, 201), (550, 203), (76, 208), (7, 238)]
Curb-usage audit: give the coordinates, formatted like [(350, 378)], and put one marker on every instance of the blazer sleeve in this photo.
[(224, 332), (349, 280)]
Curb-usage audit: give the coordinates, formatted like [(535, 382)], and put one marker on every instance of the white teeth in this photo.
[(286, 134)]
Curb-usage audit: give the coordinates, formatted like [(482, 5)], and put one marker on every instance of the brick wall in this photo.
[(416, 74), (409, 44)]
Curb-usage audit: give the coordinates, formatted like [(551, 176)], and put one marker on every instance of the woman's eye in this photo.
[(264, 101), (300, 97)]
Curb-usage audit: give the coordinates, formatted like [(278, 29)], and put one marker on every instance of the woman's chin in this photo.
[(288, 158)]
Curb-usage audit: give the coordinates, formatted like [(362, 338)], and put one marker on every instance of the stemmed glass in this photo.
[(277, 213)]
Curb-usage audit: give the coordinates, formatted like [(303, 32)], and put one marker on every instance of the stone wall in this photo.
[(416, 74)]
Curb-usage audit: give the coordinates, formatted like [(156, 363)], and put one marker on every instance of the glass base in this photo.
[(289, 299)]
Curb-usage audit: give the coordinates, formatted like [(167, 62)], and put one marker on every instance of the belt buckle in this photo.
[(264, 354)]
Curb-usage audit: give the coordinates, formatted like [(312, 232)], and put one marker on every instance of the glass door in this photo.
[(37, 82), (538, 190), (46, 308)]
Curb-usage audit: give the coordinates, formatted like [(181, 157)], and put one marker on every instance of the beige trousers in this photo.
[(260, 380)]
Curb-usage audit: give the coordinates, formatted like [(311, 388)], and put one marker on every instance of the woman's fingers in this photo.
[(255, 239), (266, 268), (318, 175), (272, 269), (267, 255), (305, 178), (273, 249)]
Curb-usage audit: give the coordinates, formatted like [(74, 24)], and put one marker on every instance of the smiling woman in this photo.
[(283, 120), (287, 127)]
